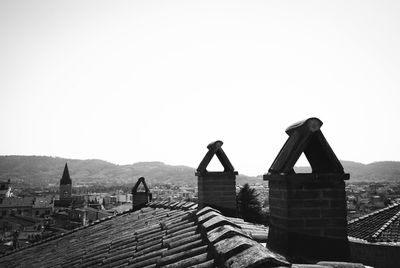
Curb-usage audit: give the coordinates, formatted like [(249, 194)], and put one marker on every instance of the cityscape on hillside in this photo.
[(30, 214), (199, 134), (320, 206)]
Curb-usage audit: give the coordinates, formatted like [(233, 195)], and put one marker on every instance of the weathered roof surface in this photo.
[(22, 220), (137, 238), (379, 226), (42, 202), (163, 234), (18, 202)]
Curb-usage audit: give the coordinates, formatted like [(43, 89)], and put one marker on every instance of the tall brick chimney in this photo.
[(140, 198), (217, 189), (308, 211)]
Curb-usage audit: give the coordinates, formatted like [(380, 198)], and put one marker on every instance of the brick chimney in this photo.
[(140, 198), (217, 189), (308, 211)]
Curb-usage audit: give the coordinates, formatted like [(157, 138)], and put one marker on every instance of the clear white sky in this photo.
[(129, 81)]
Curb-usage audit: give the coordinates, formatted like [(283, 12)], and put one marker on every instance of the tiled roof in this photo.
[(42, 202), (163, 234), (379, 226), (22, 220), (18, 202)]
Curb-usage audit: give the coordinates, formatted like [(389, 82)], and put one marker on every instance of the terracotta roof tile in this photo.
[(206, 210), (256, 255), (181, 231), (163, 234), (216, 222), (190, 261), (184, 247), (223, 232), (182, 255), (229, 247), (206, 216), (206, 264), (380, 226)]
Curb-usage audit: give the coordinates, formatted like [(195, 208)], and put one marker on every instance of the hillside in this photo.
[(44, 170), (374, 172)]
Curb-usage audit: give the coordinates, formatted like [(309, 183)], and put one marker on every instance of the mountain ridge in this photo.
[(45, 170)]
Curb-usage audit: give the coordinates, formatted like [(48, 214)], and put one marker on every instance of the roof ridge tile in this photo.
[(231, 246), (374, 212), (385, 226)]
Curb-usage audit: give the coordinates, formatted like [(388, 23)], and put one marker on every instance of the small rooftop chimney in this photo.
[(217, 189), (140, 198), (308, 211)]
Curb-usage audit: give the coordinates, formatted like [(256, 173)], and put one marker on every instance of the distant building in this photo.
[(65, 185), (377, 202), (5, 189), (84, 216), (66, 197), (29, 228), (37, 207), (16, 206), (43, 206)]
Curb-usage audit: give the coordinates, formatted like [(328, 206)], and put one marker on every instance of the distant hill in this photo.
[(44, 170), (374, 172)]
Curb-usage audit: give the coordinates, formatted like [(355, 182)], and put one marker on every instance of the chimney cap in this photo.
[(312, 124), (215, 145), (215, 148), (140, 180), (306, 137)]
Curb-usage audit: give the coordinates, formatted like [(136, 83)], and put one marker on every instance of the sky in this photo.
[(132, 81)]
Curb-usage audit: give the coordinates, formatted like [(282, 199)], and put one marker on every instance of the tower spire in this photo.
[(65, 177)]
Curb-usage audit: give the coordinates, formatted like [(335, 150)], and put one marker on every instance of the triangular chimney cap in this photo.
[(140, 180), (312, 124), (306, 137), (214, 148)]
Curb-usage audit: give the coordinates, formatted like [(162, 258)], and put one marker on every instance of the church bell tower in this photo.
[(65, 185)]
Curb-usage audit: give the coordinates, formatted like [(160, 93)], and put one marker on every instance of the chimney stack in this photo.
[(140, 198), (308, 210), (217, 189)]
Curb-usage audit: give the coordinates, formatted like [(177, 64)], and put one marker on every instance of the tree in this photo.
[(248, 204)]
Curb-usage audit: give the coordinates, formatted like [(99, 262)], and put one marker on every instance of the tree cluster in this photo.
[(249, 207)]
